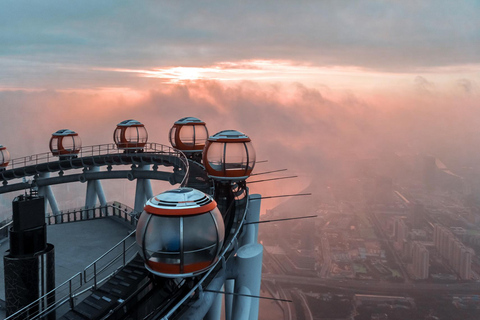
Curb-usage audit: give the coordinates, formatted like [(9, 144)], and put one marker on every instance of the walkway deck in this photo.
[(91, 239)]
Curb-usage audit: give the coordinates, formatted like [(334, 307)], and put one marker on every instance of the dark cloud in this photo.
[(422, 85), (467, 86), (381, 35)]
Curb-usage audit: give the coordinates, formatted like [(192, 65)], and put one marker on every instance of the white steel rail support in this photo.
[(243, 305), (139, 196), (94, 190), (147, 185), (229, 287), (253, 215), (47, 193), (143, 190), (100, 193), (249, 267), (215, 311)]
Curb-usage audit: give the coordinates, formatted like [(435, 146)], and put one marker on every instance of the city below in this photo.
[(378, 249)]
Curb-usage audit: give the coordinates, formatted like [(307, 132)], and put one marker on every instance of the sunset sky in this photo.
[(309, 81)]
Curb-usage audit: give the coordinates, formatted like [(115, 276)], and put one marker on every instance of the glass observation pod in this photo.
[(189, 135), (130, 135), (229, 155), (65, 143), (4, 157), (180, 233)]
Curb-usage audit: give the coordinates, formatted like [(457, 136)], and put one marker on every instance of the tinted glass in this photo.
[(235, 156), (77, 142), (201, 134), (215, 155), (118, 135), (68, 143), (200, 257), (140, 226), (199, 232), (131, 134), (251, 155), (187, 135), (54, 144), (173, 130), (142, 134), (163, 234), (220, 225)]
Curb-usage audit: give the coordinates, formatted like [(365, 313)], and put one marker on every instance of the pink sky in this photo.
[(311, 82)]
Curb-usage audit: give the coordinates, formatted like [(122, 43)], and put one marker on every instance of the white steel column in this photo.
[(229, 288), (94, 191), (215, 311), (249, 266), (100, 193), (47, 193), (143, 191), (253, 215), (243, 305)]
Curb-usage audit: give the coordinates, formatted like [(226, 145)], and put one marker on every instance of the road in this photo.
[(376, 287)]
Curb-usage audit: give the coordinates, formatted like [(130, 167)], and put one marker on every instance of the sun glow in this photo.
[(254, 70)]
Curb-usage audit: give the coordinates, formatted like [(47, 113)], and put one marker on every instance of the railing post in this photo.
[(124, 258), (95, 276), (72, 305)]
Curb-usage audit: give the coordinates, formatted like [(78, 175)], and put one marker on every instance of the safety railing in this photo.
[(111, 209), (105, 264), (104, 150), (65, 292), (94, 274), (4, 228)]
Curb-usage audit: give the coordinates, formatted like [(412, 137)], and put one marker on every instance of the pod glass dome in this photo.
[(65, 142), (189, 135), (229, 155), (180, 233), (4, 157), (130, 134)]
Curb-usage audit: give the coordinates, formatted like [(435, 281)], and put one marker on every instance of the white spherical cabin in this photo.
[(229, 155), (130, 135), (180, 233), (189, 135), (4, 157), (65, 143)]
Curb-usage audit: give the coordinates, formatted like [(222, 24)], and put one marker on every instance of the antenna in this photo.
[(247, 295), (282, 196), (272, 179), (284, 219), (257, 174)]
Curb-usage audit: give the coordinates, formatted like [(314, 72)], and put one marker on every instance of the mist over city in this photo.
[(373, 106)]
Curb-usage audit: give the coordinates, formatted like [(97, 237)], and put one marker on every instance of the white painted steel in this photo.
[(249, 267)]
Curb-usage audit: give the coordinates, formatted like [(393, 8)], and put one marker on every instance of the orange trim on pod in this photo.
[(232, 140), (179, 211), (229, 173), (175, 268)]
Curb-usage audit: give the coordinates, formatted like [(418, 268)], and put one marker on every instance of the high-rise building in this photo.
[(458, 256), (420, 260), (401, 232)]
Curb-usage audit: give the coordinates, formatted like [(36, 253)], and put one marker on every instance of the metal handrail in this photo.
[(220, 258), (125, 212), (24, 313), (102, 150), (109, 263)]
